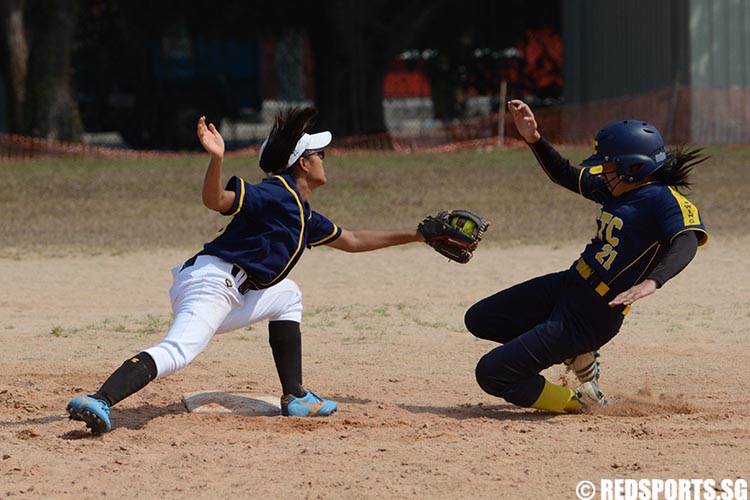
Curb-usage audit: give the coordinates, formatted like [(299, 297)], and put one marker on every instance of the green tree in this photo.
[(14, 57), (40, 95), (50, 108)]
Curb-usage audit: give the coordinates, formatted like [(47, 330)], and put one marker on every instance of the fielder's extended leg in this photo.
[(131, 377)]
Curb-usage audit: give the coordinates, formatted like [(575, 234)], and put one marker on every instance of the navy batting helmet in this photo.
[(636, 147)]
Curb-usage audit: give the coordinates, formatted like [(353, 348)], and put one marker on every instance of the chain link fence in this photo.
[(684, 116)]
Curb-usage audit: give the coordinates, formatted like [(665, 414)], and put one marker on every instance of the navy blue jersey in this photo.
[(633, 230), (269, 228)]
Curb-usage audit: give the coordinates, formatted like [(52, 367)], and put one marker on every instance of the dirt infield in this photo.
[(383, 335)]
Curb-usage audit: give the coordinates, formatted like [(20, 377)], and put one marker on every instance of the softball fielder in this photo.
[(647, 232), (240, 277)]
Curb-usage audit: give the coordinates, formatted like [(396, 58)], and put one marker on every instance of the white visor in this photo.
[(307, 141)]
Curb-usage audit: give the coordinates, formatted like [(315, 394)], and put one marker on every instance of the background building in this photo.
[(685, 63)]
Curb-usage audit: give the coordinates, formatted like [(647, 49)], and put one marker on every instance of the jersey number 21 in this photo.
[(607, 224)]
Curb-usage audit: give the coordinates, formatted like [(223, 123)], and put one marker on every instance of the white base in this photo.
[(245, 403)]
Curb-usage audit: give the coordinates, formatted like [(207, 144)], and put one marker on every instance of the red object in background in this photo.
[(401, 83), (543, 58)]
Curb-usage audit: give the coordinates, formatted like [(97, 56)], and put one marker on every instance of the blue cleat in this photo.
[(95, 412), (310, 405)]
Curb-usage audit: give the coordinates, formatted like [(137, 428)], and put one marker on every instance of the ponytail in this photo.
[(287, 129), (680, 162)]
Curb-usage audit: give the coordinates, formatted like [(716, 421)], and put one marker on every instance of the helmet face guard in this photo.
[(634, 145)]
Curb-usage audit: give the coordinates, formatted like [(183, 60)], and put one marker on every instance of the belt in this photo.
[(587, 273), (236, 271), (243, 287)]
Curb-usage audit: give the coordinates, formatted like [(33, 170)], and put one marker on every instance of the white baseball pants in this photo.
[(206, 301)]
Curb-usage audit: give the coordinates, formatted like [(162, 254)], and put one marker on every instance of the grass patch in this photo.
[(148, 325), (94, 206), (59, 331), (362, 323)]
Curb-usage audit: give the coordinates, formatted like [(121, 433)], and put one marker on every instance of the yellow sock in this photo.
[(573, 406), (556, 398)]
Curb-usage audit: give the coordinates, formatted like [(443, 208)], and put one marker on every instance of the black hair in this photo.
[(680, 162), (287, 129)]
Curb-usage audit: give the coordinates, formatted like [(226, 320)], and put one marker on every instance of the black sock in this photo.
[(285, 338), (131, 377)]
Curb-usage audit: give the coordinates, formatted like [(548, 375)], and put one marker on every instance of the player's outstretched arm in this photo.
[(679, 254), (637, 292), (215, 196), (524, 120), (366, 240)]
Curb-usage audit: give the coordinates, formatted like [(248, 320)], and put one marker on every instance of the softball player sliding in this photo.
[(647, 232), (240, 277)]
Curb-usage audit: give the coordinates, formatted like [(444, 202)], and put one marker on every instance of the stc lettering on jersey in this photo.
[(607, 224)]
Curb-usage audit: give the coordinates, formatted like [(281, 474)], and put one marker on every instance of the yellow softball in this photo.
[(467, 228)]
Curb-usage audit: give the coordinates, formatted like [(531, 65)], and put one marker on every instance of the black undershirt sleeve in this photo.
[(678, 256), (555, 166)]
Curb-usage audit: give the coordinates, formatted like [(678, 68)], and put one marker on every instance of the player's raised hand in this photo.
[(210, 138), (524, 119)]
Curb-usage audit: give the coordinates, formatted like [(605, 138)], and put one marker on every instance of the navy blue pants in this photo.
[(539, 323)]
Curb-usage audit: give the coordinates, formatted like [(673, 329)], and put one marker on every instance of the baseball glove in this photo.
[(454, 234)]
